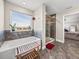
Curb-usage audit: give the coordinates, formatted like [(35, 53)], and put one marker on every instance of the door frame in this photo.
[(71, 13)]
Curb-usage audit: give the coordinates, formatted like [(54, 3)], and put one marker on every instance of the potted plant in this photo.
[(13, 27)]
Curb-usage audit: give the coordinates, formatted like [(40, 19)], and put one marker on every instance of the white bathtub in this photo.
[(18, 42)]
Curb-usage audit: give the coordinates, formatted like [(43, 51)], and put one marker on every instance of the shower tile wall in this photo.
[(51, 26), (16, 35)]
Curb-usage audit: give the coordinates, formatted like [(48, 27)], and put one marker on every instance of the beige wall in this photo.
[(39, 23), (9, 7), (1, 15), (60, 23), (59, 28)]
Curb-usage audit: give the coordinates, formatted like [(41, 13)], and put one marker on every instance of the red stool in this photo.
[(50, 46)]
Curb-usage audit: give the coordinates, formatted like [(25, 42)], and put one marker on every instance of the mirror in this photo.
[(20, 21)]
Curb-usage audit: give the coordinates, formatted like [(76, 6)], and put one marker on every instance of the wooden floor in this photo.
[(68, 50)]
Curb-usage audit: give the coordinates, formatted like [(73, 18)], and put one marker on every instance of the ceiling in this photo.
[(53, 6), (72, 17)]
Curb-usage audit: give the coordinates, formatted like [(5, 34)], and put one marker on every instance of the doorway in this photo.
[(71, 26)]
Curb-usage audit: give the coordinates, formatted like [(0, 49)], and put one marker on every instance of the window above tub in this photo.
[(20, 21)]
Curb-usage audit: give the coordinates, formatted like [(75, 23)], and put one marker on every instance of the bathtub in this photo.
[(19, 42)]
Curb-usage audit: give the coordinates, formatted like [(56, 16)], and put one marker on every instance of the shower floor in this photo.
[(49, 40)]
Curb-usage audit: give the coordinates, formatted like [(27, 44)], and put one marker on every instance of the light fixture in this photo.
[(69, 7), (24, 3)]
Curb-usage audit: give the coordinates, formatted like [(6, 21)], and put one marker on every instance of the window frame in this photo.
[(21, 13)]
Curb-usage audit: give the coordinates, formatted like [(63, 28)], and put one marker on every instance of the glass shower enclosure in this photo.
[(50, 28)]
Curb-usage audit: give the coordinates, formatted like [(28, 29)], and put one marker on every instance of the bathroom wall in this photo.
[(17, 35), (59, 27), (4, 24), (12, 7), (1, 21), (39, 23)]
